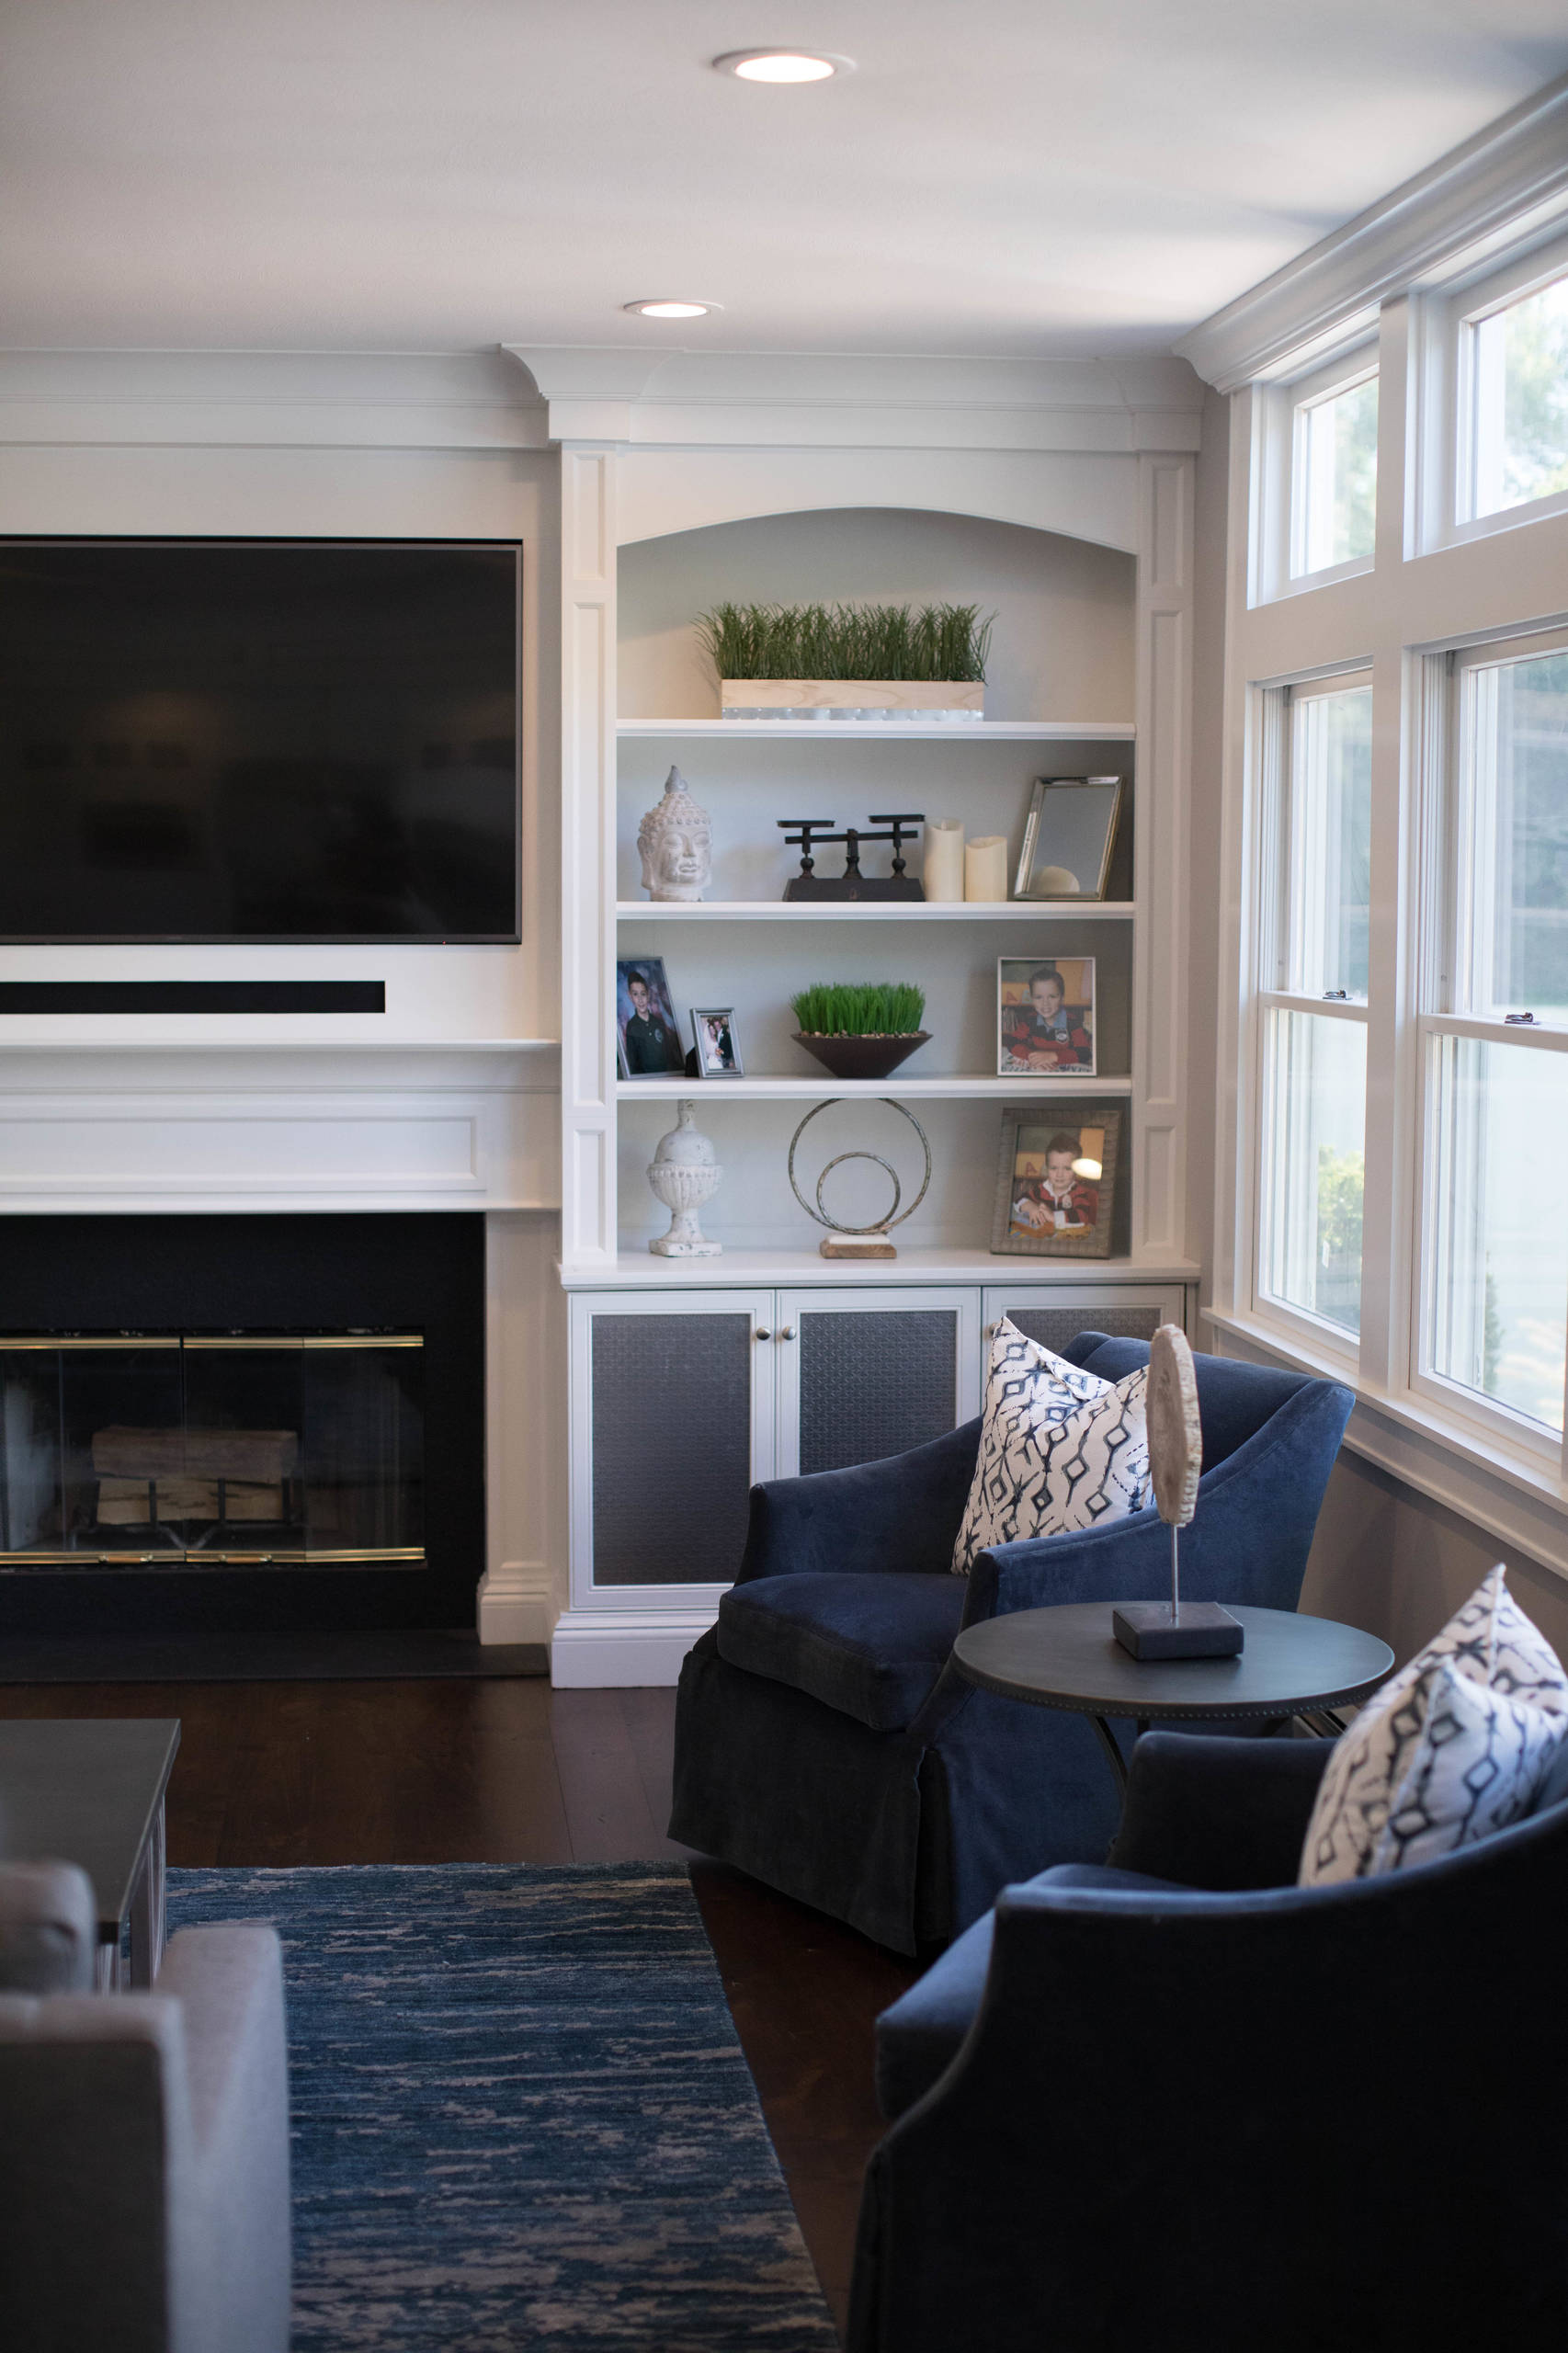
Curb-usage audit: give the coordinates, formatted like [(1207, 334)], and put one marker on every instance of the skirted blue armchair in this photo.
[(825, 1744), (1131, 2114)]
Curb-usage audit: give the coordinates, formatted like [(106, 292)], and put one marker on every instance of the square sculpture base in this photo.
[(849, 1246), (1196, 1629)]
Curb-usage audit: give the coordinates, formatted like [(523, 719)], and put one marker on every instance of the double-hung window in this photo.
[(1313, 942), (1493, 1340)]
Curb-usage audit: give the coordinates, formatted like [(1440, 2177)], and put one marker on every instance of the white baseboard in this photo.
[(593, 1650), (516, 1603)]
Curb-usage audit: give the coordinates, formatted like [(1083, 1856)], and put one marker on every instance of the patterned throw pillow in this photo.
[(1060, 1449), (1453, 1747)]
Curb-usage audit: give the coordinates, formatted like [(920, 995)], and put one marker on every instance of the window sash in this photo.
[(1287, 1227), (1313, 482), (1448, 1318), (1463, 909)]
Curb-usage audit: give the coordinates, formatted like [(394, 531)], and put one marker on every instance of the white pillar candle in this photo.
[(986, 868), (944, 858)]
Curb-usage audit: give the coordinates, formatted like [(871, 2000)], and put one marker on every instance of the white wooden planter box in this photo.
[(852, 698)]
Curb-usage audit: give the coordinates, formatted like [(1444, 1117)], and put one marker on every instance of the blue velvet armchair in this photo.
[(1184, 2104), (825, 1744)]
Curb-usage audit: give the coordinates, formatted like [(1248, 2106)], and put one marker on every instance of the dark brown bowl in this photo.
[(861, 1057)]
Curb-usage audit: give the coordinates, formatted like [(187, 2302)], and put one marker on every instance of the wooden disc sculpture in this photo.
[(1150, 1630), (1176, 1434)]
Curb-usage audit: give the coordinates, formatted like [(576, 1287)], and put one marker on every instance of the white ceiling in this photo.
[(1021, 177)]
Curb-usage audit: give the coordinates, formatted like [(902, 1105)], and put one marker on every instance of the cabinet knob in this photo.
[(762, 1333), (788, 1332)]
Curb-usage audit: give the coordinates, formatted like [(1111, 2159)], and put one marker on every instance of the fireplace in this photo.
[(209, 1450), (225, 1422)]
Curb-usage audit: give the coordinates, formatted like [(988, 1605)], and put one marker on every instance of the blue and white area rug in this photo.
[(520, 2116)]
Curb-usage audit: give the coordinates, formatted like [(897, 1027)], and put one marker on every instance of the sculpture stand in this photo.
[(1174, 1629)]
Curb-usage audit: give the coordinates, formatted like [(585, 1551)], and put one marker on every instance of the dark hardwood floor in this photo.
[(514, 1772)]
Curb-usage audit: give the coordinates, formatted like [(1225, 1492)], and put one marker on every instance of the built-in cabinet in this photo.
[(689, 1381), (683, 1403)]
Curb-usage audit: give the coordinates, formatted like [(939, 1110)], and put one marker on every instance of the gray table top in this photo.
[(86, 1791), (1068, 1657)]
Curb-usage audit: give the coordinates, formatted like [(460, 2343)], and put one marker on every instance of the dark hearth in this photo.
[(214, 1423)]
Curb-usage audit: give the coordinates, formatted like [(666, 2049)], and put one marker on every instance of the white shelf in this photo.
[(640, 1270), (904, 731), (877, 910), (957, 1086)]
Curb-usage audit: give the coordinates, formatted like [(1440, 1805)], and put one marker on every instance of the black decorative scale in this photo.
[(808, 835)]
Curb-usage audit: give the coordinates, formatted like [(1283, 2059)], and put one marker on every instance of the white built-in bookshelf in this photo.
[(1085, 622)]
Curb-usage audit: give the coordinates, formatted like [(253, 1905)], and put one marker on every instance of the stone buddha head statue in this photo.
[(676, 843)]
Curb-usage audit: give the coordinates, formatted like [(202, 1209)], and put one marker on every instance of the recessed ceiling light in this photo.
[(783, 65), (663, 306)]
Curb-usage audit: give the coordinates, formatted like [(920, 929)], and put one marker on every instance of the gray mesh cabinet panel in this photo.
[(1053, 1327), (873, 1385), (672, 1448)]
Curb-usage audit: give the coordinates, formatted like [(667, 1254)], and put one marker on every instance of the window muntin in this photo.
[(1328, 855), (1519, 400), (1314, 1164), (1334, 477), (1496, 1237)]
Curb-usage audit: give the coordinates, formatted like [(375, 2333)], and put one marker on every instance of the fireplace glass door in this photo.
[(210, 1450)]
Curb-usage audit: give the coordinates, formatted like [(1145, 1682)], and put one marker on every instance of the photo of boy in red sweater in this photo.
[(1046, 1015)]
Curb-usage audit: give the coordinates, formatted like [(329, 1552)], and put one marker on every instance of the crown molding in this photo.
[(683, 399), (457, 400), (1512, 175)]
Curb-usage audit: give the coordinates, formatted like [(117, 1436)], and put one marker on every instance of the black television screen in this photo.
[(210, 740)]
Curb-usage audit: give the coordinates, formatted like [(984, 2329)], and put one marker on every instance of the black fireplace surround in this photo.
[(412, 1286)]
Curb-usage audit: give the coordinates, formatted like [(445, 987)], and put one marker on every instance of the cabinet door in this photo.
[(867, 1374), (1054, 1316), (673, 1409)]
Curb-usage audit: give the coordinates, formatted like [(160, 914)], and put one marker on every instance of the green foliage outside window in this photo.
[(1341, 1188)]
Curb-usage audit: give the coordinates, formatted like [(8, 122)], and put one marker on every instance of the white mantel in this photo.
[(175, 1121)]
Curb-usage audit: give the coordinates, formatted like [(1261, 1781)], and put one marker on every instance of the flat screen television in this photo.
[(259, 740)]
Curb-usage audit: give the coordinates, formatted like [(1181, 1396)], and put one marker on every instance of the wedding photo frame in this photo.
[(647, 1035), (716, 1042), (1045, 1017), (1056, 1181)]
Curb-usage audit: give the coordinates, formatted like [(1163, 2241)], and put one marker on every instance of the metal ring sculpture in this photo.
[(883, 1226)]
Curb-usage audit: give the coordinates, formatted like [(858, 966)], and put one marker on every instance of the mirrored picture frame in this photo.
[(1069, 837)]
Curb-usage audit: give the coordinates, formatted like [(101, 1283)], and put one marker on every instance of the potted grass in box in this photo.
[(848, 662), (858, 1029)]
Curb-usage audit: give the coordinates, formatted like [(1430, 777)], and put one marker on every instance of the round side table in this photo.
[(1068, 1657)]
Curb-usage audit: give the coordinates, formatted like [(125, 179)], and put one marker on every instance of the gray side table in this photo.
[(1068, 1657), (91, 1793)]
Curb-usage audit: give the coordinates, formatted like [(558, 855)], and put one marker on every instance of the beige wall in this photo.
[(1387, 1559)]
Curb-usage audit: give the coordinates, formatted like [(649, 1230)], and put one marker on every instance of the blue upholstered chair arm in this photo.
[(1248, 1542), (1219, 1814), (901, 1513)]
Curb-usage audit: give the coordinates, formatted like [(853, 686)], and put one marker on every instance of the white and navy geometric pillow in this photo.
[(1060, 1449), (1428, 1765)]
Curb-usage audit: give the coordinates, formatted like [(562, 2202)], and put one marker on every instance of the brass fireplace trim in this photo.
[(130, 1340), (174, 1557)]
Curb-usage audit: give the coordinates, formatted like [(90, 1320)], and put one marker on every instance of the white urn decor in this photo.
[(683, 1174), (676, 844)]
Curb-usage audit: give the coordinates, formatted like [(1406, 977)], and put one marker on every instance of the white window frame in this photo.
[(1282, 474), (1448, 882), (1271, 993), (1415, 626), (1446, 515)]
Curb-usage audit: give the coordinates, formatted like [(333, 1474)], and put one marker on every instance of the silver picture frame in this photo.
[(1069, 837), (716, 1042)]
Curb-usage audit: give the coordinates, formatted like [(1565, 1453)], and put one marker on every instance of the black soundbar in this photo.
[(193, 996)]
